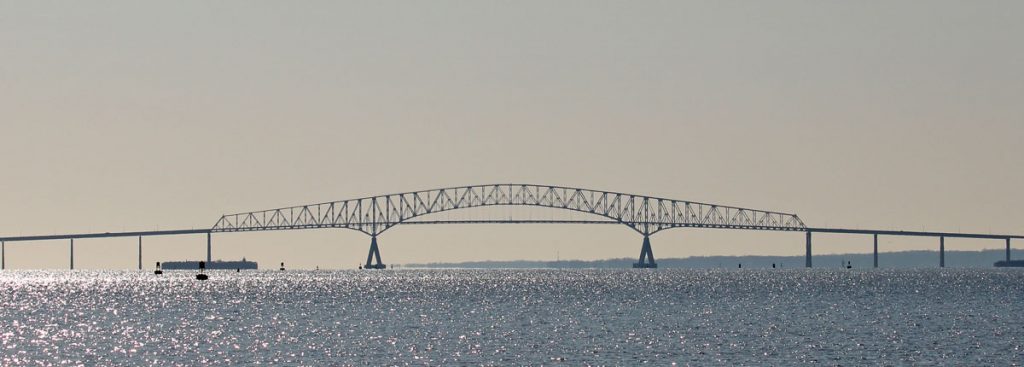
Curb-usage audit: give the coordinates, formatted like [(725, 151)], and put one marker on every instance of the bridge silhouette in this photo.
[(374, 215)]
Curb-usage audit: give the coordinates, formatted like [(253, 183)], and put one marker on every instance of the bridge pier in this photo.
[(807, 257), (942, 251), (646, 256), (140, 252), (209, 247), (72, 254), (3, 255), (374, 255), (876, 251), (1007, 250)]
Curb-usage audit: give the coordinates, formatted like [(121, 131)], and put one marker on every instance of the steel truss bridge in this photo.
[(646, 215)]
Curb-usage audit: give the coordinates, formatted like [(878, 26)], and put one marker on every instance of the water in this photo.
[(514, 317)]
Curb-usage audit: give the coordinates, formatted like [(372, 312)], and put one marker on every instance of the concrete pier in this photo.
[(876, 251), (646, 255), (374, 255), (942, 252), (72, 254), (807, 260), (140, 252), (1007, 250)]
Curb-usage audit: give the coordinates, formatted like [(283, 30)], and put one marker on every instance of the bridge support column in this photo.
[(72, 254), (876, 250), (942, 252), (3, 255), (1007, 250), (646, 255), (140, 252), (209, 247), (374, 255), (807, 257)]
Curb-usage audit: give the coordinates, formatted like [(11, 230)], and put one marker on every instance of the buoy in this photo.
[(741, 266), (849, 265), (282, 267), (158, 271), (202, 267), (773, 265)]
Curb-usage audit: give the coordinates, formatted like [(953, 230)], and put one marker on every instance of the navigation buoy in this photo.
[(741, 266), (202, 267), (773, 265), (282, 267), (849, 265), (158, 271)]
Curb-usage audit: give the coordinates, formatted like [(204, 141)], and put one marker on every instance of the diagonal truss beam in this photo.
[(376, 214)]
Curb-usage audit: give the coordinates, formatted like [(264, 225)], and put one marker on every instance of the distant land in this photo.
[(904, 259)]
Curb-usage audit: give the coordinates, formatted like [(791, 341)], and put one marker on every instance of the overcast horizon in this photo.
[(132, 116)]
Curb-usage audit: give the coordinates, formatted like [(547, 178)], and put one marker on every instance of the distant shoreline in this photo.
[(901, 259)]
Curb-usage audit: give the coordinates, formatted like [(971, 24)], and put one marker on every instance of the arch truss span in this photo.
[(376, 214)]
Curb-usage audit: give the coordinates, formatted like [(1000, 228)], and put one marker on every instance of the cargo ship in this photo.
[(212, 265)]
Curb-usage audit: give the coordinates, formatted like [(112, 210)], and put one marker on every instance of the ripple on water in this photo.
[(500, 317)]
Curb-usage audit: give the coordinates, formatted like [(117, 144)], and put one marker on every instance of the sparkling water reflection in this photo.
[(519, 317)]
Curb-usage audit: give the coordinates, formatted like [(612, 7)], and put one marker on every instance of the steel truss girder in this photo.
[(376, 214)]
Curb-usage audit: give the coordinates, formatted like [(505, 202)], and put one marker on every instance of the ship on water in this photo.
[(211, 265)]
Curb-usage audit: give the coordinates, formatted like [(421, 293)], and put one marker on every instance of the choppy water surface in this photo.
[(520, 317)]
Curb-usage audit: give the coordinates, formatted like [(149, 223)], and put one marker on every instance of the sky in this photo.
[(134, 115)]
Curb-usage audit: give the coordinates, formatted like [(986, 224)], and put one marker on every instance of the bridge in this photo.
[(646, 215)]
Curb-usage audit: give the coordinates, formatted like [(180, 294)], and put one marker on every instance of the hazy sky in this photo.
[(139, 115)]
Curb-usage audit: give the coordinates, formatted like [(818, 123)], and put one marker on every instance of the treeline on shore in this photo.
[(903, 259)]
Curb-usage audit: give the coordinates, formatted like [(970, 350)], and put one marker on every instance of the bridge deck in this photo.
[(809, 229), (104, 235), (914, 233)]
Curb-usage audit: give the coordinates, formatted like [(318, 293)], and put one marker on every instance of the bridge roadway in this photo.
[(644, 214)]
